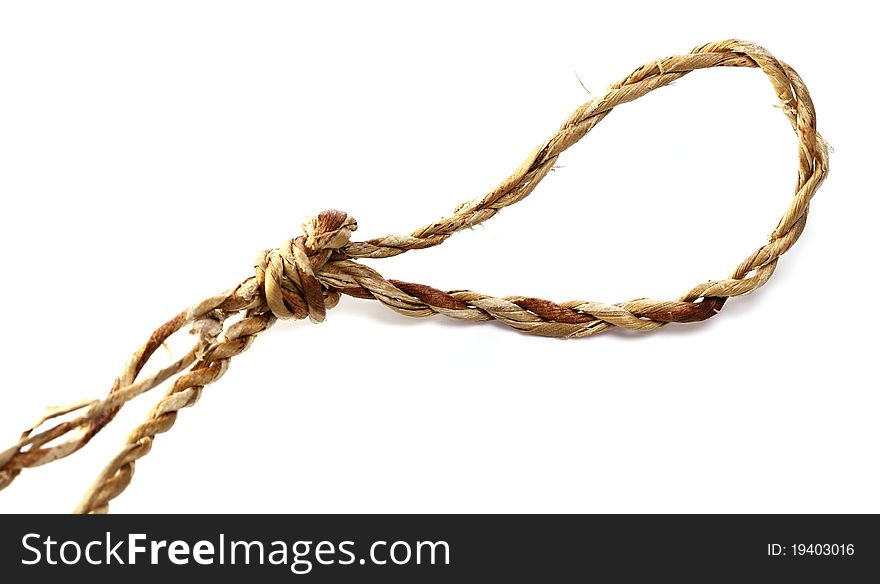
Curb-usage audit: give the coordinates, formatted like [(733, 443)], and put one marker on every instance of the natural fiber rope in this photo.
[(305, 276)]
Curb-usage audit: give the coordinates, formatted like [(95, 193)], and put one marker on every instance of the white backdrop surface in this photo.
[(149, 150)]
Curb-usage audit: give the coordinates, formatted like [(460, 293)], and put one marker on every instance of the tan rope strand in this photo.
[(29, 451), (305, 276), (658, 73), (184, 393)]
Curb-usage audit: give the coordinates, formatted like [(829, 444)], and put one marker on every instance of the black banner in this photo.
[(440, 548)]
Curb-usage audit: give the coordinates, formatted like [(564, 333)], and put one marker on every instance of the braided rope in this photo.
[(305, 277)]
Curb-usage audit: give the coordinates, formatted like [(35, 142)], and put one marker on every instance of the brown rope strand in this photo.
[(184, 393)]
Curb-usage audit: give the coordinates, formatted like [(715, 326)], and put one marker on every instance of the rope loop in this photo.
[(305, 277)]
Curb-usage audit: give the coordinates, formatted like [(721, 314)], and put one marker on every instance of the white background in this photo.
[(149, 150)]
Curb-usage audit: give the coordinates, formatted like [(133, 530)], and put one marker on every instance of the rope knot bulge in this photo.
[(287, 274)]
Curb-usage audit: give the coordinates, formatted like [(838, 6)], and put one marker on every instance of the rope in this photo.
[(305, 277)]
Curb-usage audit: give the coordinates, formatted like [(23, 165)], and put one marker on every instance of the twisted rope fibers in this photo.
[(305, 277)]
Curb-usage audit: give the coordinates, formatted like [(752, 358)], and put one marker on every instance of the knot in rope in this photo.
[(287, 274)]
